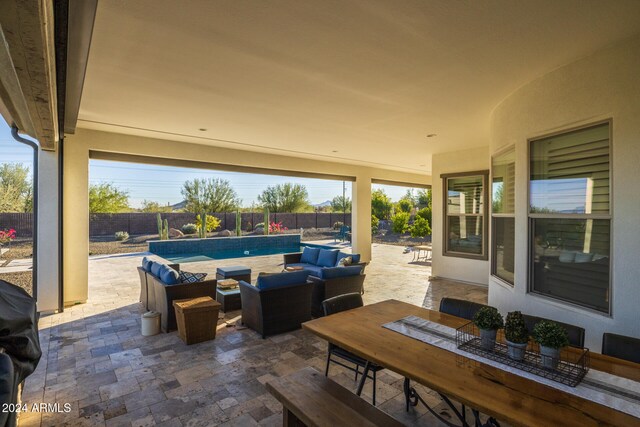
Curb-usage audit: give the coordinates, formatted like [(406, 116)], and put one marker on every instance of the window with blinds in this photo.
[(503, 178), (464, 216), (570, 218)]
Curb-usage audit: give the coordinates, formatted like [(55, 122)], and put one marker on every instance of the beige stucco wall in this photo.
[(467, 270), (76, 174), (602, 86)]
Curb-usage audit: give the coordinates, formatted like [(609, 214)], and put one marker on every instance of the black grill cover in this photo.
[(19, 340)]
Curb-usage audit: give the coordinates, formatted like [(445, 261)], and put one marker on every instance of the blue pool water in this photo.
[(195, 257)]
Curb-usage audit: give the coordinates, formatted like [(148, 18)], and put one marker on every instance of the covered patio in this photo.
[(520, 117)]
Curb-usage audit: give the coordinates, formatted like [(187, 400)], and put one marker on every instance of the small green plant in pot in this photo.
[(551, 337), (488, 320), (516, 334)]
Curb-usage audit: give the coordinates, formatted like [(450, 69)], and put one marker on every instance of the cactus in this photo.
[(202, 229), (163, 228), (266, 221), (238, 224)]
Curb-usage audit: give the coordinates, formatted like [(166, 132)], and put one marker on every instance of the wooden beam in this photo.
[(30, 97)]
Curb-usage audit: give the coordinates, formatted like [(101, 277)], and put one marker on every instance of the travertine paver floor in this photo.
[(95, 360)]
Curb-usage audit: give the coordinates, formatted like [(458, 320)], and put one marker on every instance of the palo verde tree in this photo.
[(286, 197), (341, 204), (107, 198), (209, 195)]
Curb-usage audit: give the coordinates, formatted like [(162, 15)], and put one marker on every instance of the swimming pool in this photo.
[(182, 258), (193, 250)]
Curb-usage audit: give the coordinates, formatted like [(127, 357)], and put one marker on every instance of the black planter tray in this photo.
[(572, 366)]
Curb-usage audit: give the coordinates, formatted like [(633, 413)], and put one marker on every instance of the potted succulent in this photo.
[(488, 320), (551, 337), (516, 334)]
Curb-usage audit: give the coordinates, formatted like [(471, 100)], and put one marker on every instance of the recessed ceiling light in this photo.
[(431, 135), (334, 151), (422, 166), (202, 129)]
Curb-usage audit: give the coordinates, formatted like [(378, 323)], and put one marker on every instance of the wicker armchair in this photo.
[(328, 288), (164, 295), (277, 310)]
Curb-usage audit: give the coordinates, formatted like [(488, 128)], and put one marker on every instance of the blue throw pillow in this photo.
[(146, 264), (310, 255), (168, 275), (327, 258), (155, 268), (355, 258), (272, 281), (335, 272)]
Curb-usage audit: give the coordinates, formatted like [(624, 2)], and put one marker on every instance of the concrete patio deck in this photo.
[(95, 359)]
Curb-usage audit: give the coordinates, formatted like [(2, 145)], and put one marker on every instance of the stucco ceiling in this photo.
[(356, 81)]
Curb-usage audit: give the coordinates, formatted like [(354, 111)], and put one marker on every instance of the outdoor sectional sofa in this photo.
[(329, 277), (160, 286), (278, 302)]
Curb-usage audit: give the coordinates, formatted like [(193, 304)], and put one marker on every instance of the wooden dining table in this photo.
[(495, 392)]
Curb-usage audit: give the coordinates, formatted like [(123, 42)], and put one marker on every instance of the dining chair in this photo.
[(459, 307), (622, 347), (336, 305), (574, 333)]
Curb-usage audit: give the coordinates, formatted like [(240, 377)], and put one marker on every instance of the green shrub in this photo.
[(375, 223), (121, 236), (400, 222), (381, 205), (425, 213), (515, 329), (550, 334), (488, 318), (189, 228), (420, 227), (404, 205), (259, 225), (338, 225), (212, 223)]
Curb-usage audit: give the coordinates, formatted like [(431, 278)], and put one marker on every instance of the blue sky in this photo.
[(162, 184)]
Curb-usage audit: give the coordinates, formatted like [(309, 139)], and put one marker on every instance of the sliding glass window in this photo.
[(570, 217), (503, 168), (465, 204)]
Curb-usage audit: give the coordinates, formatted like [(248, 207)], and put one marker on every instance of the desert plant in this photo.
[(488, 318), (515, 328), (400, 222), (266, 221), (375, 223), (425, 213), (381, 205), (404, 205), (420, 227), (259, 225), (163, 228), (212, 223), (550, 334), (121, 236), (276, 227), (238, 224), (338, 225), (189, 228)]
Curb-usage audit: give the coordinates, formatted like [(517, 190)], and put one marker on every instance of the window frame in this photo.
[(483, 256), (492, 248), (532, 216)]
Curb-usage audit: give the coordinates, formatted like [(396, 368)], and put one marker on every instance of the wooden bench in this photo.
[(310, 399)]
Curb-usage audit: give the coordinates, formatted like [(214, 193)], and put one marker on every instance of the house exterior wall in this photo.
[(599, 87), (76, 188), (467, 270)]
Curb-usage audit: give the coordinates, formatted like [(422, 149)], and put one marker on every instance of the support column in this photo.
[(76, 222), (47, 231), (361, 216)]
